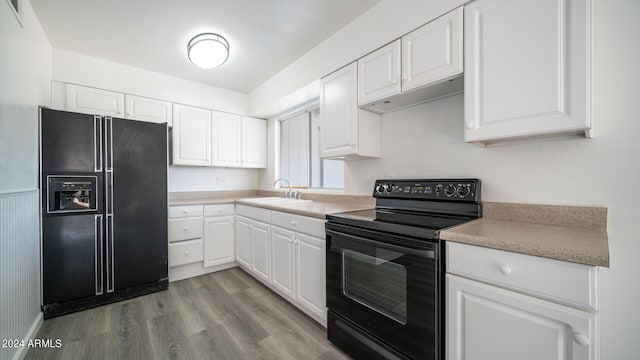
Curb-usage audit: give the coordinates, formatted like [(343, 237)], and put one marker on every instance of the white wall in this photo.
[(189, 178), (25, 75), (426, 141), (90, 71), (378, 26)]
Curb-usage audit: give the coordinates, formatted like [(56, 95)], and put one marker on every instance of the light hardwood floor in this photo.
[(224, 315)]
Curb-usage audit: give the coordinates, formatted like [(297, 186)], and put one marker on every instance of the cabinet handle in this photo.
[(185, 212), (219, 210), (405, 78), (186, 253), (394, 82), (186, 228), (581, 339), (293, 223), (468, 125), (505, 270)]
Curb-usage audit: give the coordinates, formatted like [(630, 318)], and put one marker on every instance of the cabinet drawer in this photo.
[(185, 211), (218, 210), (185, 252), (256, 213), (561, 281), (303, 224), (185, 229)]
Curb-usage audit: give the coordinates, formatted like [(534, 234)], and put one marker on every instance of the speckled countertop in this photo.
[(570, 233), (319, 207)]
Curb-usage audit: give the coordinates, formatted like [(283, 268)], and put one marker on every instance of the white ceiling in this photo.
[(264, 35)]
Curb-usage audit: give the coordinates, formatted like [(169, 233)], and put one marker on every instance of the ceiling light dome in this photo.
[(208, 50)]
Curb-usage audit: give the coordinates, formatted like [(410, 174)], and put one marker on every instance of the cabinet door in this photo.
[(526, 68), (311, 284), (433, 52), (226, 139), (219, 243), (339, 113), (260, 250), (146, 109), (486, 322), (379, 74), (88, 100), (191, 136), (283, 260), (254, 142), (243, 242)]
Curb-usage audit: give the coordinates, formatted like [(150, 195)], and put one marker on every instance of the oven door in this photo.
[(387, 285)]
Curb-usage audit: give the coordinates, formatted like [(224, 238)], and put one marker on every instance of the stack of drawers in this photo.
[(185, 235)]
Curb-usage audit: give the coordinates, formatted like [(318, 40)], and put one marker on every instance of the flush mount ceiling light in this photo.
[(208, 50)]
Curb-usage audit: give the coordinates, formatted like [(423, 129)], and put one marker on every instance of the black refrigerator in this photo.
[(104, 210)]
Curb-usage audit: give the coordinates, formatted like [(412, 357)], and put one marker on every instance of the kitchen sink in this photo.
[(276, 200)]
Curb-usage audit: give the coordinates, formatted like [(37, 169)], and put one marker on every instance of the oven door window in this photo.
[(376, 282)]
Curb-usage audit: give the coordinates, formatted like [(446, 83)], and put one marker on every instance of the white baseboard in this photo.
[(31, 334), (191, 270)]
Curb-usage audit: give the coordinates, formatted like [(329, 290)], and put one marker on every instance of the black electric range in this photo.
[(385, 268)]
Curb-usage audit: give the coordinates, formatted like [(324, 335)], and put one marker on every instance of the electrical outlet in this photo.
[(220, 180)]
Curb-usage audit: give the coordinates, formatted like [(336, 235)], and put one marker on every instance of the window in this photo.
[(300, 161)]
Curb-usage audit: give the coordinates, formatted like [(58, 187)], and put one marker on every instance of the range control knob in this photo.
[(464, 191), (379, 189), (438, 189), (386, 189), (449, 190)]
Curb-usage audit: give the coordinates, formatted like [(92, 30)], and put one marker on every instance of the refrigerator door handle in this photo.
[(109, 252), (98, 254), (108, 143), (108, 198), (97, 143)]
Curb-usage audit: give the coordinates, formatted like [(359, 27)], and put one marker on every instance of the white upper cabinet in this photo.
[(88, 100), (146, 109), (254, 142), (191, 136), (414, 69), (433, 52), (345, 130), (379, 74), (527, 68), (226, 144)]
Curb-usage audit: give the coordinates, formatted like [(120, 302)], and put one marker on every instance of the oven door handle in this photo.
[(427, 254)]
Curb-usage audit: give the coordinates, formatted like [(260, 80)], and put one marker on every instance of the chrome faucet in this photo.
[(287, 194)]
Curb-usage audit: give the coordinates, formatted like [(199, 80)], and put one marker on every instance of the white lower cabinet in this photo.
[(499, 307), (199, 245), (487, 322), (311, 284), (260, 250), (283, 258), (298, 270), (219, 244), (293, 251), (243, 242), (253, 246)]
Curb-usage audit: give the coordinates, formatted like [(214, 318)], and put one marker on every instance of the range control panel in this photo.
[(449, 189)]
